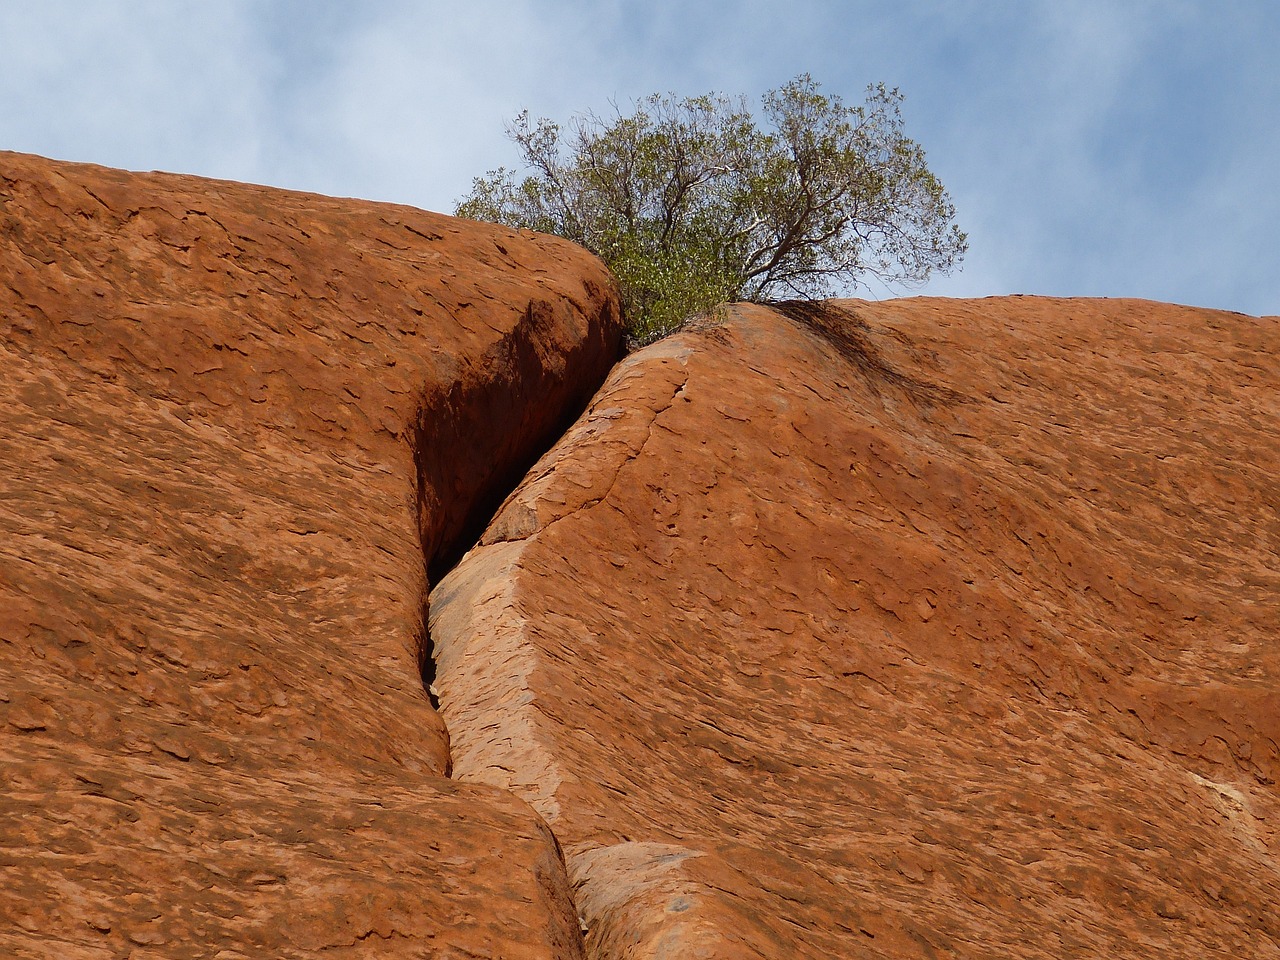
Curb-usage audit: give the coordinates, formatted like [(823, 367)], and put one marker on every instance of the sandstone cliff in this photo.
[(236, 425), (902, 630), (910, 629)]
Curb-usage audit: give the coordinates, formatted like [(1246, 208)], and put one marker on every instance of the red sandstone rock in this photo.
[(912, 629), (233, 423)]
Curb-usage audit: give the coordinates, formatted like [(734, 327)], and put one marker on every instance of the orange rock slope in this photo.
[(899, 630), (236, 425), (906, 629)]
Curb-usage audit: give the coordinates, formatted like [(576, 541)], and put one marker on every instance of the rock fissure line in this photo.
[(508, 536), (428, 666), (445, 543), (481, 517)]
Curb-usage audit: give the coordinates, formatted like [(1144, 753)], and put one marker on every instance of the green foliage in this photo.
[(692, 204)]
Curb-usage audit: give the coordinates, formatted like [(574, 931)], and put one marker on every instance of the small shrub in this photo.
[(691, 203)]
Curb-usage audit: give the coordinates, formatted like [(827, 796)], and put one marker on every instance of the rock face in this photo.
[(236, 427), (900, 630), (910, 629)]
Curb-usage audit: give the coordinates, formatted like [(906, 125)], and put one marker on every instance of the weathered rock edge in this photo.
[(236, 425), (906, 629)]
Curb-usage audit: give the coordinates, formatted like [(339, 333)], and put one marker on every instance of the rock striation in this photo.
[(900, 630), (892, 630), (237, 426)]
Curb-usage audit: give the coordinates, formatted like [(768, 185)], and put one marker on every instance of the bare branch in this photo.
[(692, 201)]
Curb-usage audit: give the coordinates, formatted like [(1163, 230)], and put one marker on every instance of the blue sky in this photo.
[(1092, 147)]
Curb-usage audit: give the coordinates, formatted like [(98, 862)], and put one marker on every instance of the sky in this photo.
[(1092, 147)]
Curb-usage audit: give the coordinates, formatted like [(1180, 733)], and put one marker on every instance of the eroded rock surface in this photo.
[(911, 629), (235, 425)]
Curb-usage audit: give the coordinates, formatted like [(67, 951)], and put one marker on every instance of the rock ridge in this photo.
[(238, 425), (956, 639)]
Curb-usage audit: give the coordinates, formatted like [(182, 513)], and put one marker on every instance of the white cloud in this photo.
[(137, 85), (1091, 147)]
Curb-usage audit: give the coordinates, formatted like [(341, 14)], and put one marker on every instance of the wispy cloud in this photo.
[(136, 85), (1092, 147)]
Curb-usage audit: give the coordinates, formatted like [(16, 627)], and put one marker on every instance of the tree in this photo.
[(692, 204)]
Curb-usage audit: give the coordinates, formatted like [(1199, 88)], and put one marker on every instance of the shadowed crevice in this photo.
[(474, 443)]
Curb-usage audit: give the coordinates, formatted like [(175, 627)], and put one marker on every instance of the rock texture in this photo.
[(899, 630), (909, 629), (236, 425)]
